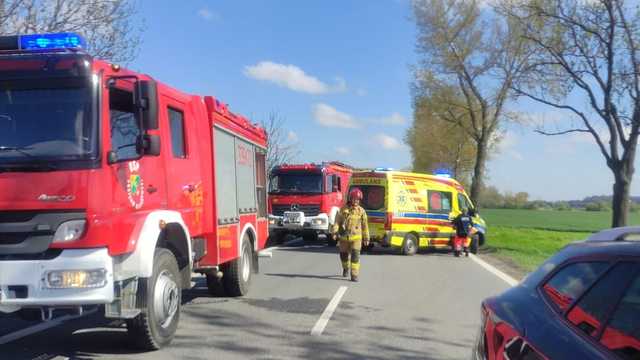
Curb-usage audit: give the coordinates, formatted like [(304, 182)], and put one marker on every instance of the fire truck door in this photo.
[(139, 181), (184, 184)]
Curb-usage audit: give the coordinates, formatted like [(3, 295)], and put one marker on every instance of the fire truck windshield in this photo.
[(296, 183), (46, 122)]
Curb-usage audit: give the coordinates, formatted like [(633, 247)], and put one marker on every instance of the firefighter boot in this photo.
[(344, 258), (355, 264), (466, 251)]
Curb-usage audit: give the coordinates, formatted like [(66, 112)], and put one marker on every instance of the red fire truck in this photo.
[(304, 199), (114, 188)]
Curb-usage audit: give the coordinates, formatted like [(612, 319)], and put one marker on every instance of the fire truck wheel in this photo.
[(157, 324), (410, 245), (237, 274), (214, 285), (475, 241), (310, 236)]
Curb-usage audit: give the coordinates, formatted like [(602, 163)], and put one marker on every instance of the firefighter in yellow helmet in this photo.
[(352, 230)]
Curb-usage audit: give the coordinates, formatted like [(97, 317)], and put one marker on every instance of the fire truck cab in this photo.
[(115, 188), (304, 199)]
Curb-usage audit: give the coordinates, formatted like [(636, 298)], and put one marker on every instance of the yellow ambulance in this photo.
[(408, 211)]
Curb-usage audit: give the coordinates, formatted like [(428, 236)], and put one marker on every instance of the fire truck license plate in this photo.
[(293, 217)]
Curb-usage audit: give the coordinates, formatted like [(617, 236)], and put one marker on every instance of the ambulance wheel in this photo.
[(410, 245), (157, 324), (237, 273), (475, 241)]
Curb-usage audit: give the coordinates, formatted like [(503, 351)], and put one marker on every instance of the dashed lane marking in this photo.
[(328, 312), (492, 269)]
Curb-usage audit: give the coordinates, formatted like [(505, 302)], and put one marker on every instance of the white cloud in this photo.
[(393, 119), (388, 142), (328, 116), (361, 92), (292, 136), (507, 145), (343, 150), (292, 77), (208, 15)]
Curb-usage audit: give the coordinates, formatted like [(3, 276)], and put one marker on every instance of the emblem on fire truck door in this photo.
[(135, 186)]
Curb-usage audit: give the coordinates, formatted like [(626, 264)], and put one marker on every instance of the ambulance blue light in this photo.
[(443, 173), (383, 169), (52, 41)]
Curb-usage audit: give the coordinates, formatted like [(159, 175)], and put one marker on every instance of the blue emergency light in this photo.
[(443, 173), (383, 169), (51, 41)]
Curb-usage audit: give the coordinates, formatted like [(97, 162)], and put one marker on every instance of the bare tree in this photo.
[(587, 50), (281, 147), (474, 56), (111, 27)]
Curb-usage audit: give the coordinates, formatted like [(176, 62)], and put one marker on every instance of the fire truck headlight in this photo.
[(317, 221), (66, 279), (69, 231)]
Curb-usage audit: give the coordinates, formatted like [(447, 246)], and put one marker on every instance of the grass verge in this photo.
[(527, 248)]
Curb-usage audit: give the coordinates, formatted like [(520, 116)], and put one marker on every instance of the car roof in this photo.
[(615, 241)]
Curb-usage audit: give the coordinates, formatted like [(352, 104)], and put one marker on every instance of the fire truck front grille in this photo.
[(31, 232), (307, 209)]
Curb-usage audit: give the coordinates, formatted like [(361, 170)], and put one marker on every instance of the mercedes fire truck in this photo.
[(115, 188), (304, 199)]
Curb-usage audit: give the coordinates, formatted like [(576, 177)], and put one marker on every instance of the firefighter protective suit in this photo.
[(352, 230)]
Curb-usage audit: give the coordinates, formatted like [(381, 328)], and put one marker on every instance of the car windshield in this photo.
[(292, 183), (48, 122)]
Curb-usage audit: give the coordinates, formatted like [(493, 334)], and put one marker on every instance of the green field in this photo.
[(525, 238), (574, 220)]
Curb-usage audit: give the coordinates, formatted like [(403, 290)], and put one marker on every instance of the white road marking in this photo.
[(492, 269), (265, 253), (328, 312), (40, 327)]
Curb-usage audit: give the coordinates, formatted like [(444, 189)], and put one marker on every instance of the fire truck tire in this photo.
[(157, 324), (310, 236), (475, 241), (410, 245), (238, 273), (214, 285)]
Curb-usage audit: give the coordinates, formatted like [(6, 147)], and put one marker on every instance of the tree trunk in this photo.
[(478, 172), (620, 202)]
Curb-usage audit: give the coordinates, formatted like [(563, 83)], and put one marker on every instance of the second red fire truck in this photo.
[(305, 198), (115, 187)]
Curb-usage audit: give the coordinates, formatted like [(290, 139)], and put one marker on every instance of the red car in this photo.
[(583, 303)]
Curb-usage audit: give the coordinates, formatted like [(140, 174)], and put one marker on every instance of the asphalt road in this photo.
[(420, 307)]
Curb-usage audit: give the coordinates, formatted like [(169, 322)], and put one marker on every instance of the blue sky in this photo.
[(338, 73)]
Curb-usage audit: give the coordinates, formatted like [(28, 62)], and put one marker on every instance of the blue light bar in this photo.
[(383, 169), (52, 41), (443, 173)]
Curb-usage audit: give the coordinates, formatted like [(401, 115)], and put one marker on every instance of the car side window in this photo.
[(591, 311), (622, 334), (566, 285)]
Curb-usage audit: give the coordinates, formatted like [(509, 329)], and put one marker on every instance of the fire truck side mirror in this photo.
[(152, 145), (147, 98), (112, 157)]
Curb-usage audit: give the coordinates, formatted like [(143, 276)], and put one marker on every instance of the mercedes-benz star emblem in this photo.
[(295, 207)]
